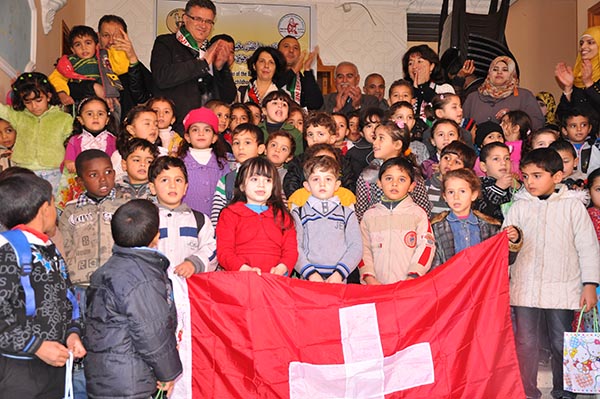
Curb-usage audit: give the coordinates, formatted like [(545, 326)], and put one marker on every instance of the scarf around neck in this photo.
[(507, 89), (185, 37)]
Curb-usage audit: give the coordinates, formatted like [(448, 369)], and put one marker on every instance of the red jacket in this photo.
[(257, 240)]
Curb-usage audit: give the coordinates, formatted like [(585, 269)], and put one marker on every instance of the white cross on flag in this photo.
[(444, 335)]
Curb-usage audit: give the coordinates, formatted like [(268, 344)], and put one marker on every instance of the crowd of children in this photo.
[(373, 197)]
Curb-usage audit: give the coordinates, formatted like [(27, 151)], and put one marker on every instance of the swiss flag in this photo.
[(447, 334)]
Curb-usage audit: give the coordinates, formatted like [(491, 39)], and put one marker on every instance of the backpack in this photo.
[(18, 241), (199, 216)]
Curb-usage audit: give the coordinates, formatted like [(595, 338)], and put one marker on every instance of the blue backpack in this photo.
[(18, 241)]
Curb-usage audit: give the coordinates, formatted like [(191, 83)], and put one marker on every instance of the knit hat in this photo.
[(485, 128), (203, 115)]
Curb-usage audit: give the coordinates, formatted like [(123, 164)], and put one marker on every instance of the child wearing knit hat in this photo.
[(204, 156)]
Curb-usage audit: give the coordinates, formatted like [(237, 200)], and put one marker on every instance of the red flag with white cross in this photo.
[(447, 334)]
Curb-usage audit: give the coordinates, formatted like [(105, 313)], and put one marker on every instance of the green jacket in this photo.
[(287, 127), (40, 139)]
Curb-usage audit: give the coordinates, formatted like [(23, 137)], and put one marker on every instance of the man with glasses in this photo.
[(186, 69)]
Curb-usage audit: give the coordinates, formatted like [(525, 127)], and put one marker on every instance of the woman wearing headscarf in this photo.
[(500, 93), (581, 84)]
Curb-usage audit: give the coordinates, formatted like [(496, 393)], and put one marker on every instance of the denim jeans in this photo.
[(529, 330), (79, 389)]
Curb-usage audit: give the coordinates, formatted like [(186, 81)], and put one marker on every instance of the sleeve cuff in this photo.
[(198, 264), (343, 270)]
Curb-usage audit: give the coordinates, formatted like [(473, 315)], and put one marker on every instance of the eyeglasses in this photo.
[(200, 20)]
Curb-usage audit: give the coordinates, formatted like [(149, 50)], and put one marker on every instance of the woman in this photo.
[(266, 66), (582, 83), (499, 94), (421, 65)]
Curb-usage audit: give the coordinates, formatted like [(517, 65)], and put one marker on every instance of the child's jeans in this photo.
[(527, 339)]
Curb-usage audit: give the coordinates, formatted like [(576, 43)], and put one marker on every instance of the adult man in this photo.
[(185, 69), (137, 82), (375, 86), (348, 96), (303, 87)]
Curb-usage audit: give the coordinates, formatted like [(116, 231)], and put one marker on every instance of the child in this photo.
[(247, 143), (86, 64), (455, 155), (165, 112), (556, 271), (204, 158), (341, 131), (361, 154), (36, 336), (296, 117), (187, 240), (256, 231), (322, 221), (85, 222), (499, 184), (403, 112), (255, 112), (130, 324), (516, 126), (93, 128), (391, 141), (353, 128), (300, 196), (487, 132), (444, 131), (573, 179), (41, 124), (138, 156), (240, 113), (387, 257), (223, 112), (320, 129), (542, 138), (448, 106), (141, 122), (463, 227), (577, 127), (401, 90), (593, 185), (280, 150), (8, 135), (275, 108)]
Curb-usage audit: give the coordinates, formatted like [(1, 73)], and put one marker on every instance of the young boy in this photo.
[(275, 108), (577, 129), (572, 178), (341, 131), (323, 220), (187, 239), (499, 183), (36, 336), (82, 75), (8, 136), (556, 271), (320, 129), (130, 324), (397, 240), (138, 156), (247, 142), (401, 90), (455, 155), (280, 150)]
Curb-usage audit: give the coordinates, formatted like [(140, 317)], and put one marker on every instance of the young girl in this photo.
[(448, 106), (403, 112), (444, 131), (391, 257), (463, 227), (165, 112), (275, 108), (94, 128), (256, 232), (8, 135), (204, 157), (361, 154), (542, 138), (42, 126), (255, 112), (296, 117), (141, 122), (593, 184), (390, 141), (516, 126)]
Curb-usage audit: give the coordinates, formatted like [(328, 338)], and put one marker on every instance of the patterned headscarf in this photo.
[(548, 99), (594, 33), (507, 89)]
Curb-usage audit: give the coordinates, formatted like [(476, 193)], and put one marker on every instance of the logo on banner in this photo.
[(292, 25)]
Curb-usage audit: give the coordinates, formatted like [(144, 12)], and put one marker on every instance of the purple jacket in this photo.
[(203, 181)]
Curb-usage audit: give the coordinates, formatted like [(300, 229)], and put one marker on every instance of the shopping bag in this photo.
[(581, 358), (69, 377)]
